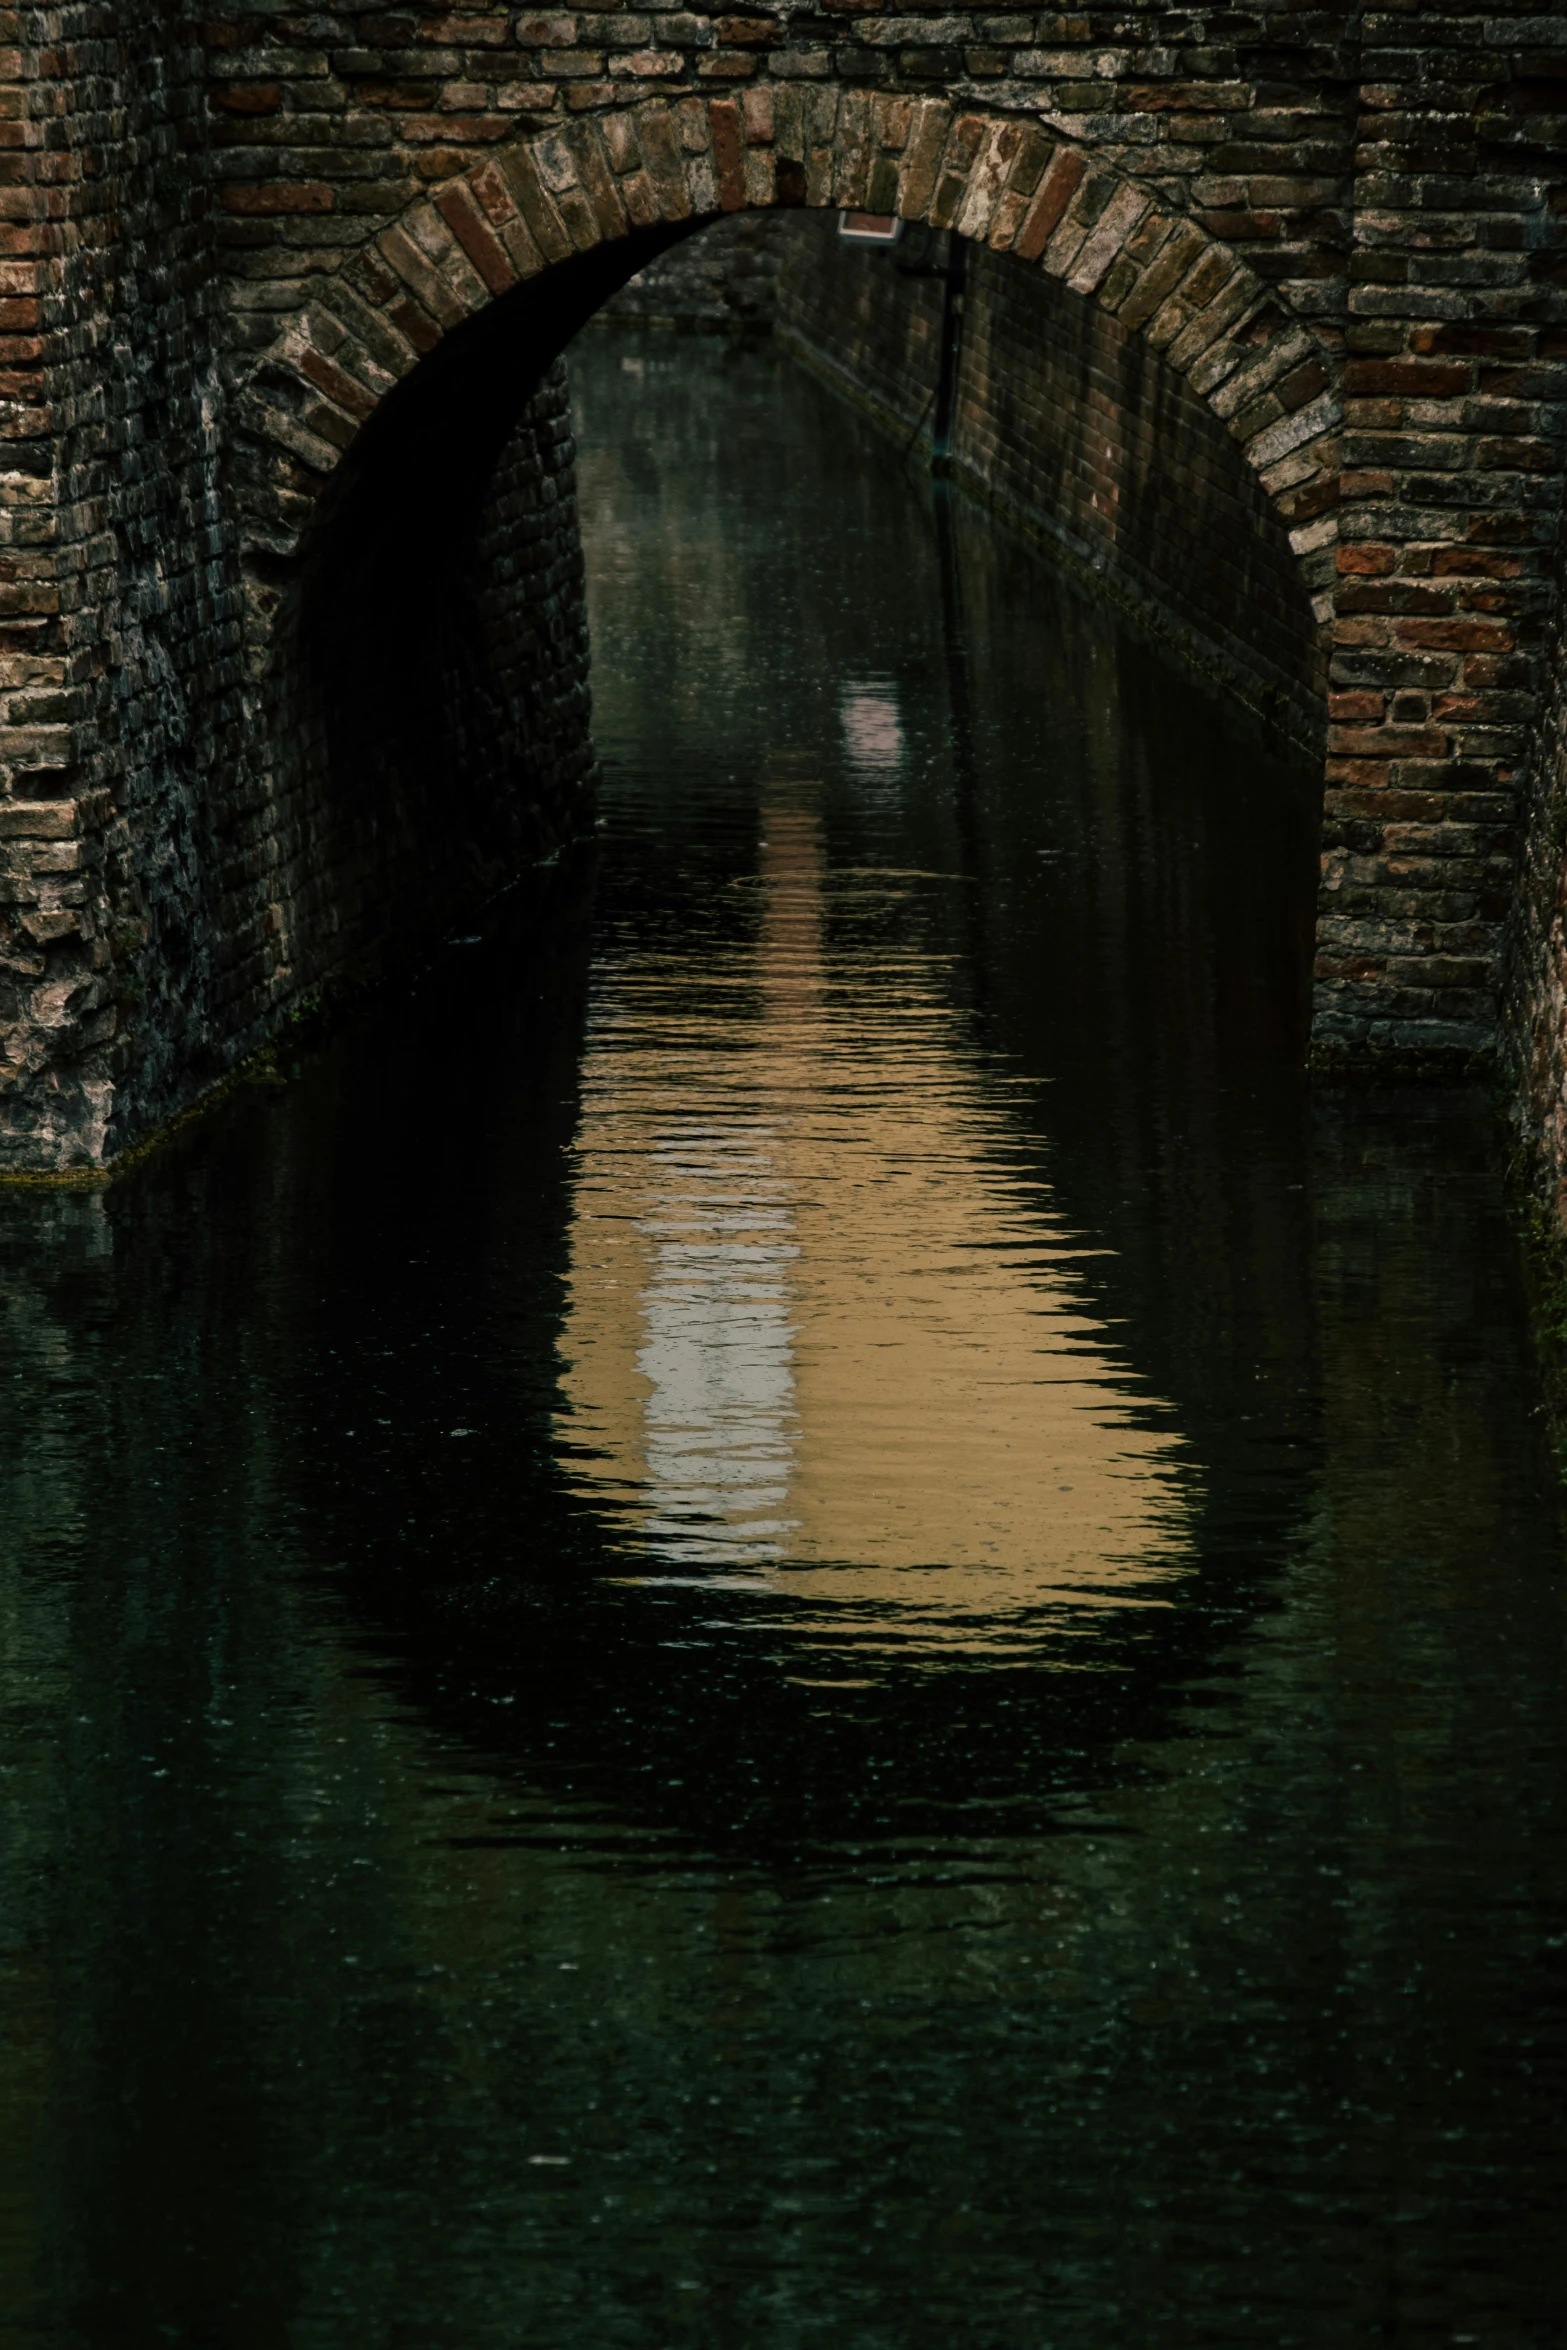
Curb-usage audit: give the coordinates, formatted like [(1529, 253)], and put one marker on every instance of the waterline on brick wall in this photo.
[(323, 1013)]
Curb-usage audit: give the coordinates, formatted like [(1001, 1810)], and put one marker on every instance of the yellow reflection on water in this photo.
[(821, 1334)]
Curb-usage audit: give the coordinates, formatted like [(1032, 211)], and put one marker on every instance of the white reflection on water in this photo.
[(821, 1324), (872, 726), (718, 1414)]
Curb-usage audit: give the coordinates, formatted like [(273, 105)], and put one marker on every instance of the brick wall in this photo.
[(1454, 378), (119, 642), (193, 833), (1535, 1034), (1079, 433), (868, 323), (226, 238)]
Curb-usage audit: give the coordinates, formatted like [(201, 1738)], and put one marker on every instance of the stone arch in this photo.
[(668, 164), (398, 776)]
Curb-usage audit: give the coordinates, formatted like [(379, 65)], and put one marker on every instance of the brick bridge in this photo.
[(293, 657)]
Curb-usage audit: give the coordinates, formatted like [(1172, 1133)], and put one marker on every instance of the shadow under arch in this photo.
[(438, 716)]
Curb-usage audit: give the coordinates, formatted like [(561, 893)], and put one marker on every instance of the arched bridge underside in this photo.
[(293, 656)]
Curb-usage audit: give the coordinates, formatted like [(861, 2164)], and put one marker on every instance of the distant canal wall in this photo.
[(1065, 421), (724, 281), (1076, 431)]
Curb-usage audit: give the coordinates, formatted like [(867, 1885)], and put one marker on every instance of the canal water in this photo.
[(798, 1612)]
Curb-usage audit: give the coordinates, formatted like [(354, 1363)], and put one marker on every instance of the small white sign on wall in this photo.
[(870, 228)]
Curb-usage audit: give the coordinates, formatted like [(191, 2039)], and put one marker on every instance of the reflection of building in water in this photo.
[(820, 1323)]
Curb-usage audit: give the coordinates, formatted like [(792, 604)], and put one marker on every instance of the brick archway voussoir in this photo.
[(997, 180)]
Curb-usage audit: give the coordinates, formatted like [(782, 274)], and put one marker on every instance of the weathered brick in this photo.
[(1057, 187)]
